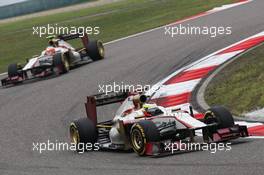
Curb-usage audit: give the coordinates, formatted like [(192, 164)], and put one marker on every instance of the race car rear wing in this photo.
[(101, 100), (67, 37), (84, 37), (113, 97)]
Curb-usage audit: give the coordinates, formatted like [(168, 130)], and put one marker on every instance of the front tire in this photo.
[(141, 133), (96, 50), (61, 62), (13, 70), (219, 115)]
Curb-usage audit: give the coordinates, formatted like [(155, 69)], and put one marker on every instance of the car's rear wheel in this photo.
[(219, 115), (61, 62), (13, 70), (83, 131), (141, 133), (96, 50)]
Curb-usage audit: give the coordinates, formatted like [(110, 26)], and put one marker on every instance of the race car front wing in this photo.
[(169, 146)]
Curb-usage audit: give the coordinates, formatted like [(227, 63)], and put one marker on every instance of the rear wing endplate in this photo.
[(101, 100)]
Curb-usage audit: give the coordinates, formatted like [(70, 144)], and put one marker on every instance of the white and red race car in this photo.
[(148, 129), (58, 58)]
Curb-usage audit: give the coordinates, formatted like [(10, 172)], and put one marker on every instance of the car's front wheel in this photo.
[(141, 133), (219, 115), (61, 62), (13, 70)]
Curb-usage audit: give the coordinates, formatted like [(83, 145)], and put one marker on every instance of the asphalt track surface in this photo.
[(42, 110)]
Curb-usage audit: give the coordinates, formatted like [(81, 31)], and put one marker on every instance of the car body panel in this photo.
[(30, 64)]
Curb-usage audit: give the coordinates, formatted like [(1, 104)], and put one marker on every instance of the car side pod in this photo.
[(233, 132)]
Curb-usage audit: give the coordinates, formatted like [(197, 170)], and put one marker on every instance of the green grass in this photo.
[(240, 85), (115, 20)]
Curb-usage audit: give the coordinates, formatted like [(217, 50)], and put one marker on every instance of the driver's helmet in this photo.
[(152, 109), (53, 41), (50, 51)]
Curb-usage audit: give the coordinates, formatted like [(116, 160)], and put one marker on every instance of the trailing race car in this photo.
[(58, 58), (147, 128)]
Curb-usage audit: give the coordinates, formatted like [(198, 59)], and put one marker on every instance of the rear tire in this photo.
[(141, 133), (83, 131), (61, 62), (221, 116), (96, 50)]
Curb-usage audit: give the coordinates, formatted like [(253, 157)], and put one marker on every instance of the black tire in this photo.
[(96, 50), (84, 130), (61, 62), (221, 116), (141, 133), (13, 70)]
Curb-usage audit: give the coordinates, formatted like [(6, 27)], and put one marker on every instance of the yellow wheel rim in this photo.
[(101, 49), (137, 140), (74, 134), (66, 64)]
